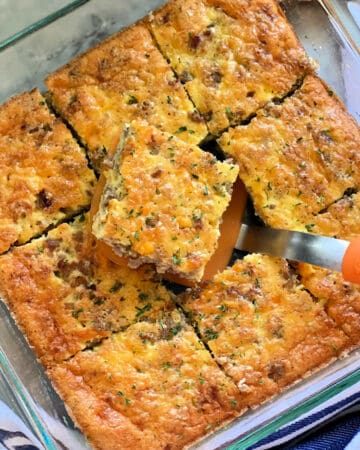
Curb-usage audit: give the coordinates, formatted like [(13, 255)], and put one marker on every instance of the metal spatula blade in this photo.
[(304, 247)]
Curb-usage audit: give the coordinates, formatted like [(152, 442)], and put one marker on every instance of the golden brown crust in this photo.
[(119, 80), (43, 172), (233, 56), (163, 202), (263, 327), (340, 298), (341, 219), (135, 391), (60, 284), (299, 157)]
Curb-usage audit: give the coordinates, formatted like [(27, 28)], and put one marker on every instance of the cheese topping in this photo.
[(163, 201), (232, 57)]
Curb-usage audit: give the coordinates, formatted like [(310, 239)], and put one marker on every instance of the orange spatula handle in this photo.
[(351, 262)]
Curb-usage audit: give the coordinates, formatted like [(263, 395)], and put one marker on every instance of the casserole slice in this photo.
[(162, 202), (122, 78), (44, 176)]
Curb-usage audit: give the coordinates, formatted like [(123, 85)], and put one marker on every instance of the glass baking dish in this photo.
[(330, 35)]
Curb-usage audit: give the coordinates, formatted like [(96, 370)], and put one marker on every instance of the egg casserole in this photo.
[(149, 387), (60, 284), (137, 366), (299, 157), (44, 176), (263, 327), (123, 78), (232, 56), (163, 201)]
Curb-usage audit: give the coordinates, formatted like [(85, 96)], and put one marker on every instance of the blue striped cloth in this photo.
[(335, 425)]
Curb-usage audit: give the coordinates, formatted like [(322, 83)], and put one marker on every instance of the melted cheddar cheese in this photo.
[(147, 389), (232, 56), (163, 201), (60, 284), (297, 158), (262, 326), (121, 79), (340, 298), (44, 177)]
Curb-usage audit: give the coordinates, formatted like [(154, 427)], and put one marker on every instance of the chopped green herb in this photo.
[(143, 310), (176, 329), (219, 189), (166, 365), (143, 296), (333, 346), (132, 100), (201, 379), (116, 286), (40, 249), (210, 334), (256, 308), (309, 226), (229, 113), (176, 259), (194, 175), (169, 100), (77, 312), (98, 301), (233, 403), (136, 235), (181, 130), (223, 308), (82, 218)]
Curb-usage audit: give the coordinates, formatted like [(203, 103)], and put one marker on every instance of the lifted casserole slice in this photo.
[(232, 56), (163, 201), (62, 286), (299, 157), (44, 177), (263, 327), (120, 79), (149, 387)]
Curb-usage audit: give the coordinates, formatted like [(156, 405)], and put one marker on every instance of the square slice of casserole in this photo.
[(122, 78), (263, 327), (44, 176), (163, 201), (232, 56), (65, 295), (340, 298), (149, 387), (298, 157)]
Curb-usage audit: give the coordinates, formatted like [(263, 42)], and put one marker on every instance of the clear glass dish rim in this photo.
[(347, 27), (43, 22)]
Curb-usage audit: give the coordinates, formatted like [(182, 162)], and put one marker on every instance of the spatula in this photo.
[(335, 254)]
